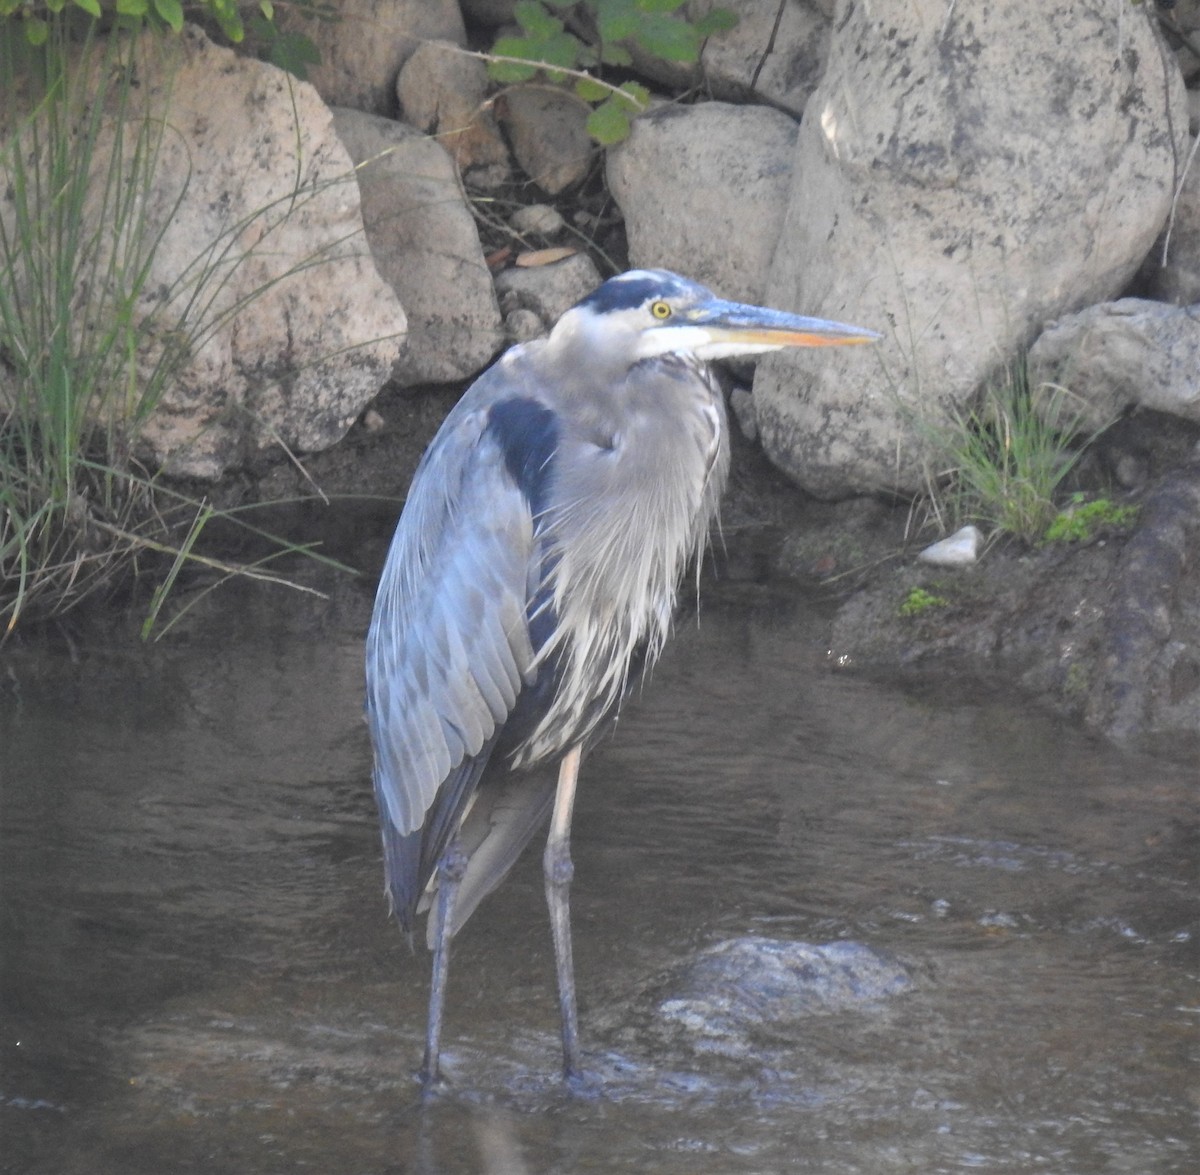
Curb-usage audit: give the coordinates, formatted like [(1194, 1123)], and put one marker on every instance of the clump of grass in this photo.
[(71, 400), (87, 350), (1002, 463)]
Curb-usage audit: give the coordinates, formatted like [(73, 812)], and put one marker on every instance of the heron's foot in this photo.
[(432, 1082), (580, 1083)]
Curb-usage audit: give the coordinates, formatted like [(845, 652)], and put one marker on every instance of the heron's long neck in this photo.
[(630, 509)]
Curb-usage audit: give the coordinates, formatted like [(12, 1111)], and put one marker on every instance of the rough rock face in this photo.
[(1148, 679), (963, 174), (363, 49), (423, 239), (776, 52), (782, 63), (443, 92), (254, 186), (1119, 354), (703, 190), (548, 131), (1104, 630)]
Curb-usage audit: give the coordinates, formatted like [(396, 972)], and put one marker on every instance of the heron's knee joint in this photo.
[(558, 867)]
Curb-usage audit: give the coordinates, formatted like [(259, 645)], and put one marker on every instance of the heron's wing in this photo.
[(449, 648)]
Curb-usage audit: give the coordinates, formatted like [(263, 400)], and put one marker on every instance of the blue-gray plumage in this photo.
[(533, 573)]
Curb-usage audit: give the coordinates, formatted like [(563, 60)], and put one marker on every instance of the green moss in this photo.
[(1082, 520), (919, 600)]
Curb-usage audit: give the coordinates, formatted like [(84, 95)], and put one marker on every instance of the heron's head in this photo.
[(649, 312)]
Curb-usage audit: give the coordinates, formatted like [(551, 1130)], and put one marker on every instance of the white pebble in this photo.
[(960, 548)]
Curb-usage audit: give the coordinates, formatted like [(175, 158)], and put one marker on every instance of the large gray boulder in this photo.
[(703, 190), (261, 275), (423, 239), (963, 173)]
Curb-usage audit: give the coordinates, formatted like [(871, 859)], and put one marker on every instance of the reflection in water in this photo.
[(198, 974)]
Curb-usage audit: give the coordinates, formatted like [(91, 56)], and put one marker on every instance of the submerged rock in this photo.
[(730, 998)]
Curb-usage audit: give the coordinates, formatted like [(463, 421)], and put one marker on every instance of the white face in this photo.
[(660, 326), (678, 317)]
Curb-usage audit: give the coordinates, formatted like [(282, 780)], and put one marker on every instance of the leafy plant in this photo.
[(87, 349), (287, 48), (36, 17), (566, 38), (919, 600), (1082, 520)]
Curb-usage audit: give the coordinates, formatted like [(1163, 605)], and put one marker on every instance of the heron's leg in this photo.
[(451, 869), (556, 864)]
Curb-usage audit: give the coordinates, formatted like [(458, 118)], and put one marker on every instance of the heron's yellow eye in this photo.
[(660, 310)]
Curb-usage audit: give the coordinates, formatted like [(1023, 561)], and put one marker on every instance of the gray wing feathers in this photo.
[(449, 642)]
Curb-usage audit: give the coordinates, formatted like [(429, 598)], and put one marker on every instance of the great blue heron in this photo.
[(533, 572)]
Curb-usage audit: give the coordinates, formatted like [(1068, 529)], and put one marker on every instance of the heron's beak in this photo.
[(732, 328)]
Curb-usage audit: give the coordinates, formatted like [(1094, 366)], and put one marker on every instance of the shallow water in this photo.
[(198, 974)]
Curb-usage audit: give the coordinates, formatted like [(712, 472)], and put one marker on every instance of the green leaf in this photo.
[(535, 20), (615, 55), (171, 12), (510, 71), (91, 7), (716, 20), (294, 52), (133, 7), (608, 124), (56, 5), (591, 91), (561, 49), (617, 23), (228, 18), (660, 5), (267, 9), (638, 97)]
